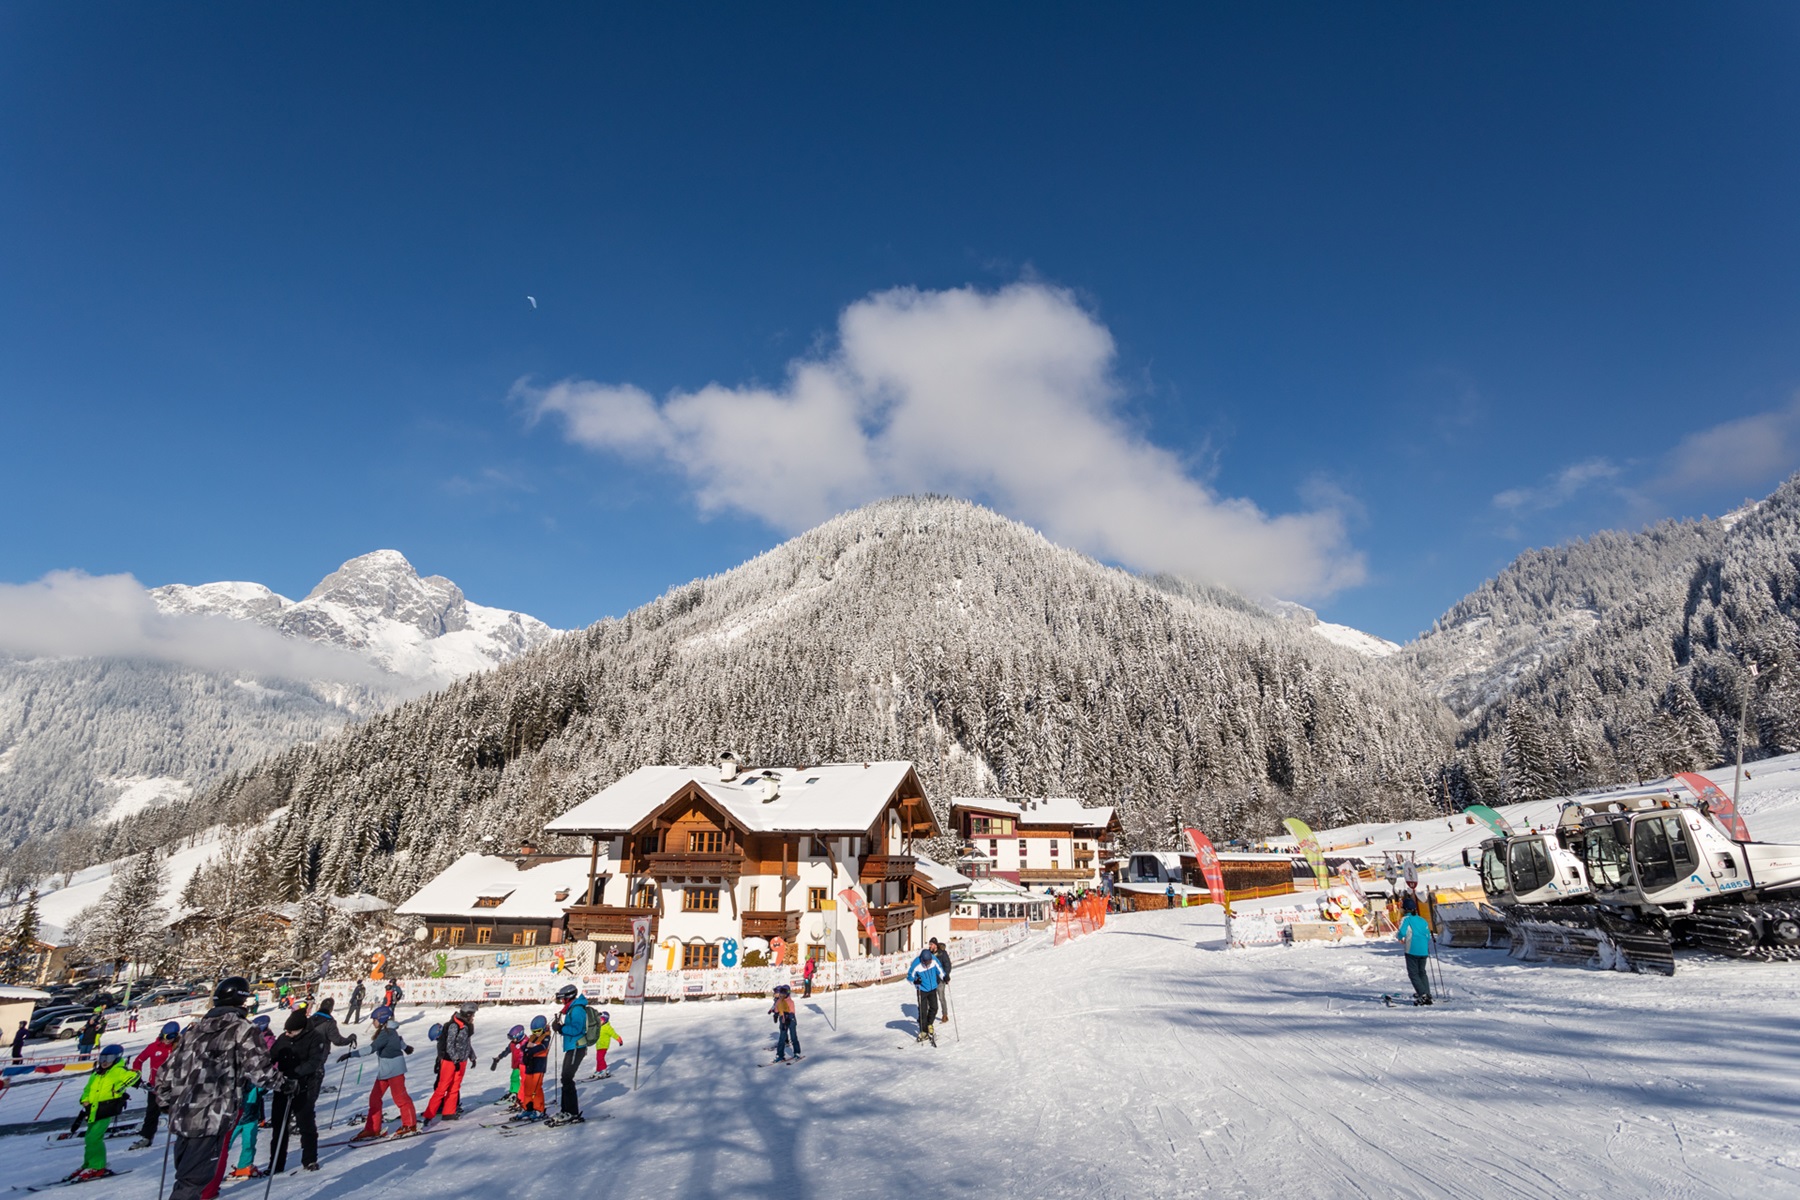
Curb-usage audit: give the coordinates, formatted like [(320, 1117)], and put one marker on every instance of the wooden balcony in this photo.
[(610, 921), (1053, 875), (894, 916), (729, 865), (879, 867), (772, 925)]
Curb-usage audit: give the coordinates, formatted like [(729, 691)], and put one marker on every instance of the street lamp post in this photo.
[(1743, 719)]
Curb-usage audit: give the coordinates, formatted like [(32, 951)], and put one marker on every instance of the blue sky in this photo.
[(1387, 292)]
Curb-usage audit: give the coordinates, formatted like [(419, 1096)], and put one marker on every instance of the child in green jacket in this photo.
[(101, 1100)]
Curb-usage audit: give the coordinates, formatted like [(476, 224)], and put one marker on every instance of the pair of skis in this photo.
[(70, 1181)]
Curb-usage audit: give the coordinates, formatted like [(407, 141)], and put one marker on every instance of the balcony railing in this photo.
[(894, 916), (878, 867), (610, 921), (681, 865), (772, 925), (1052, 875)]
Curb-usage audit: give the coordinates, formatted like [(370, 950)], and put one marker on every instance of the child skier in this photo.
[(786, 1023), (456, 1051), (390, 1051), (534, 1060), (515, 1051), (149, 1060), (101, 1100), (606, 1037), (250, 1119)]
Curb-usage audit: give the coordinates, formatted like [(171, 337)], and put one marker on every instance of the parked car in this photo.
[(67, 1026), (45, 1016)]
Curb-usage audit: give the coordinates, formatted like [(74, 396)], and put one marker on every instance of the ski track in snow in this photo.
[(1143, 1061)]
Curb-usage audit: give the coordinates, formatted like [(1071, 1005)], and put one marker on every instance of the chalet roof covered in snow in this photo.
[(1044, 810), (938, 877), (831, 798), (491, 888)]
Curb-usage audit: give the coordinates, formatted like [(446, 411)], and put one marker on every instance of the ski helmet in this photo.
[(108, 1056), (382, 1014), (516, 1034), (566, 992), (538, 1024), (605, 1016), (232, 991), (466, 1008), (171, 1031), (262, 1021), (435, 1032)]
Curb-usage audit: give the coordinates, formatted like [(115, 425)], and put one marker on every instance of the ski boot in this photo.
[(140, 1144), (250, 1172), (404, 1131), (367, 1135)]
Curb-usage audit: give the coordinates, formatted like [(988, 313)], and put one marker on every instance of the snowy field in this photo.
[(1141, 1061)]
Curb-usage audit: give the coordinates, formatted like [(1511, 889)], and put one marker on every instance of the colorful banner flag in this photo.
[(1491, 819), (1210, 870), (1718, 803), (1309, 846), (640, 958), (853, 900)]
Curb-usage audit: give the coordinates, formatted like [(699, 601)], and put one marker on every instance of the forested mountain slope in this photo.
[(1657, 684), (920, 628), (1545, 601)]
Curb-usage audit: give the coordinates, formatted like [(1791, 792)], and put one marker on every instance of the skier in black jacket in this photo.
[(299, 1054)]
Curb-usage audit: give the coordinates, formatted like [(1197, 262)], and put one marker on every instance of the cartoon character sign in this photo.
[(728, 953)]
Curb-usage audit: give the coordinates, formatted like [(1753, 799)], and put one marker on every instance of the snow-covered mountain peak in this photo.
[(243, 601), (1366, 644), (381, 584)]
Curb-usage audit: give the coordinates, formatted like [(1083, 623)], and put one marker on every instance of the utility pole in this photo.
[(1743, 719)]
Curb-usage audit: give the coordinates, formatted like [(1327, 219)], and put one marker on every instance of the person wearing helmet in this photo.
[(149, 1060), (201, 1085), (534, 1060), (515, 1049), (787, 1024), (926, 975), (456, 1050), (390, 1051), (571, 1022), (606, 1037), (101, 1100)]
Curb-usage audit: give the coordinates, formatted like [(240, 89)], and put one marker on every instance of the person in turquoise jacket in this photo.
[(101, 1100), (1415, 935)]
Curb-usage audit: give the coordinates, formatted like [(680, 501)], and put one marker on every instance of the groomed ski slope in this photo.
[(1145, 1061)]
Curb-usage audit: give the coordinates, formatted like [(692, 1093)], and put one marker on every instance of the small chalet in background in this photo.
[(1050, 841), (1145, 877), (487, 900), (713, 854)]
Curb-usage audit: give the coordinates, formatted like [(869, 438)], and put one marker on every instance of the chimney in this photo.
[(771, 786), (728, 767)]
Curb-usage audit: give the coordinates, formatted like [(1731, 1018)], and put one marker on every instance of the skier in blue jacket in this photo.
[(926, 974), (572, 1023), (1415, 935)]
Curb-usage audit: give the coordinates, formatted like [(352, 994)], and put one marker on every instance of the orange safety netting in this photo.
[(1087, 915)]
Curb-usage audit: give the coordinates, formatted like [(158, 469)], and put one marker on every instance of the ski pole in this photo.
[(287, 1116), (956, 1026), (343, 1075), (164, 1177)]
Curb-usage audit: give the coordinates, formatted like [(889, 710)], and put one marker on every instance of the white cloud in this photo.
[(69, 614), (1007, 397), (1748, 450), (1559, 489)]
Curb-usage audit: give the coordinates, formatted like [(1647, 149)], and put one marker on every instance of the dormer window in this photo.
[(562, 894), (489, 901)]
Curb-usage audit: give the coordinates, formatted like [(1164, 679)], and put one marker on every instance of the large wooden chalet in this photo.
[(1051, 841), (713, 854)]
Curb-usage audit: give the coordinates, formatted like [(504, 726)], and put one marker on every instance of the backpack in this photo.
[(590, 1032)]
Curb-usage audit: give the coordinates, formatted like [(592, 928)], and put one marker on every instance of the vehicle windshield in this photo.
[(1530, 865), (1493, 871), (1608, 865)]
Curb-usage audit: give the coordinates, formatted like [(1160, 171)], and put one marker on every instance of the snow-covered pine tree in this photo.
[(129, 925), (20, 945)]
